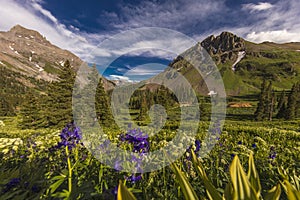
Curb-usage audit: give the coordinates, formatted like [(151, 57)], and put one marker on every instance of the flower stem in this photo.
[(70, 171)]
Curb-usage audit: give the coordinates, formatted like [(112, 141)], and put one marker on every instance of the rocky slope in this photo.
[(29, 53), (243, 65)]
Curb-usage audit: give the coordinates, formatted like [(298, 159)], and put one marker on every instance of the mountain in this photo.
[(29, 53), (29, 62), (243, 64)]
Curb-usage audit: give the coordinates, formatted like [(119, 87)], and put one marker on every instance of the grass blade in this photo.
[(211, 190), (124, 193), (187, 189)]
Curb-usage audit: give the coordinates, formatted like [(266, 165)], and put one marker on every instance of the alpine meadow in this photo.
[(220, 120)]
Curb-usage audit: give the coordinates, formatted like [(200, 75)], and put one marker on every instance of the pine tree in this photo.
[(281, 106), (103, 110), (30, 111), (58, 110), (292, 110), (143, 108), (260, 111)]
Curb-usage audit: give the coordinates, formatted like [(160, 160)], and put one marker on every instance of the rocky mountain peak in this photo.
[(20, 32), (224, 47)]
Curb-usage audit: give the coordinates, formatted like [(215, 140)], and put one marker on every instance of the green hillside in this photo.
[(279, 63)]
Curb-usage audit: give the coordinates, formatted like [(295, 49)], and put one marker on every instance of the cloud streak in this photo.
[(257, 7)]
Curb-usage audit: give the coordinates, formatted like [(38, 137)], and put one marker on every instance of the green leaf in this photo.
[(211, 190), (58, 181), (274, 193), (291, 192), (228, 193), (187, 189), (241, 185), (124, 193), (253, 176)]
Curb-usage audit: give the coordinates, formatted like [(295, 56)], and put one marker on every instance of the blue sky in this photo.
[(79, 26)]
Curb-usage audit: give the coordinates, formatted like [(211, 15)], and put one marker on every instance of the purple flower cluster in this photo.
[(273, 153), (197, 145), (197, 149), (134, 178), (140, 143), (138, 139), (16, 183), (70, 136)]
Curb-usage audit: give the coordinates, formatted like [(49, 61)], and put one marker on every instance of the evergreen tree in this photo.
[(103, 110), (58, 105), (143, 108), (292, 110), (260, 111), (281, 106), (30, 111)]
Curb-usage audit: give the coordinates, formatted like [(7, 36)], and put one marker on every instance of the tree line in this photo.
[(286, 106), (53, 108)]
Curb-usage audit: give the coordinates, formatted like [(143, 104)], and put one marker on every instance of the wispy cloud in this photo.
[(257, 7), (279, 24), (179, 15), (32, 15), (147, 69), (120, 78)]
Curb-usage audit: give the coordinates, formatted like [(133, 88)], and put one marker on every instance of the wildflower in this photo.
[(138, 139), (273, 153), (133, 178), (254, 145), (70, 136), (240, 142), (14, 182), (35, 189), (198, 145)]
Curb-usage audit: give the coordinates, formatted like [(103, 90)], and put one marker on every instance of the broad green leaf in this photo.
[(228, 193), (124, 193), (241, 185), (291, 192), (274, 193), (56, 184), (211, 190), (187, 189), (253, 176)]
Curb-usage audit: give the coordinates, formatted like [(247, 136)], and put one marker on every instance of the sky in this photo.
[(81, 26)]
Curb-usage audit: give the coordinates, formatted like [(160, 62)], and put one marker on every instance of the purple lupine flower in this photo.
[(273, 153), (35, 189), (14, 182), (138, 139), (133, 178), (198, 145), (254, 146), (70, 136), (118, 165), (240, 142)]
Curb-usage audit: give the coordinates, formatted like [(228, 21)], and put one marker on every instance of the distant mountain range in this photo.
[(30, 54), (241, 63)]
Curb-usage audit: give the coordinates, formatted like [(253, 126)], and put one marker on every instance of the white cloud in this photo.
[(178, 15), (279, 24), (29, 14), (120, 78), (257, 7), (146, 70), (280, 36)]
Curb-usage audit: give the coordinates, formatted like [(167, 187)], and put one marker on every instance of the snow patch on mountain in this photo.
[(1, 63), (241, 55)]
